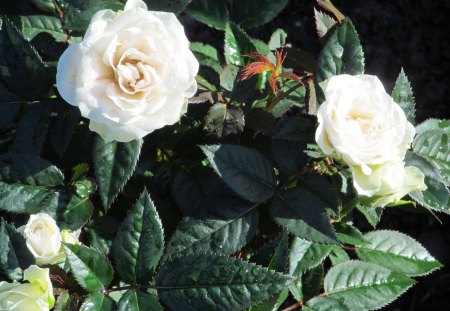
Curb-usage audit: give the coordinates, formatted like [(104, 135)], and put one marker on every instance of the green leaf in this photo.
[(237, 44), (299, 128), (28, 184), (45, 5), (436, 197), (32, 128), (277, 39), (215, 118), (211, 13), (76, 213), (338, 255), (89, 267), (14, 254), (433, 145), (304, 255), (174, 6), (341, 53), (253, 13), (372, 214), (402, 94), (303, 213), (114, 163), (320, 303), (273, 254), (363, 285), (99, 302), (224, 228), (63, 128), (206, 55), (136, 300), (349, 234), (101, 233), (32, 25), (244, 170), (66, 302), (78, 13), (432, 124), (23, 71), (310, 283), (397, 252), (261, 121), (323, 23), (209, 282), (139, 242)]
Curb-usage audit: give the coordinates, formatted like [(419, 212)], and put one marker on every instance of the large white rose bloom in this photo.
[(131, 74), (361, 123)]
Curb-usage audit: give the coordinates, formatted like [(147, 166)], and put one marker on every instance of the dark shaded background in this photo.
[(394, 33)]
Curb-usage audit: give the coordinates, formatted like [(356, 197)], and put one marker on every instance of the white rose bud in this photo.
[(361, 123), (388, 182), (43, 239), (36, 295), (131, 74)]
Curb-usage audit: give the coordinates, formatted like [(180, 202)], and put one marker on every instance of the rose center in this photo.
[(134, 73), (368, 125)]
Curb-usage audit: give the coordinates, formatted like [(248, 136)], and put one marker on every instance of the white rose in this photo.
[(361, 123), (131, 74), (388, 182), (37, 295), (43, 239)]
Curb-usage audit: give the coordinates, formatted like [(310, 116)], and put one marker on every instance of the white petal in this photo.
[(135, 4), (66, 74)]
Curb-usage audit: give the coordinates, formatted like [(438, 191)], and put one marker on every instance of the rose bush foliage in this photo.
[(142, 171)]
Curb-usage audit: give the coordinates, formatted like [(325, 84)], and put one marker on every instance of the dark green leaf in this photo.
[(32, 25), (76, 213), (8, 112), (101, 233), (211, 13), (304, 255), (66, 302), (364, 286), (253, 13), (324, 304), (299, 60), (397, 252), (436, 197), (191, 188), (99, 302), (139, 301), (289, 155), (219, 283), (139, 242), (23, 71), (114, 163), (237, 44), (273, 254), (63, 128), (261, 121), (225, 227), (14, 254), (206, 55), (434, 145), (89, 267), (372, 214), (45, 5), (403, 96), (341, 53), (311, 282), (303, 213), (299, 128), (32, 129), (349, 234), (28, 184), (215, 118), (78, 13), (174, 6), (244, 170), (432, 124)]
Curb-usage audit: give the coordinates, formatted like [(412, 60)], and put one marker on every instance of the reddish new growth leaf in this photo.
[(263, 64)]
